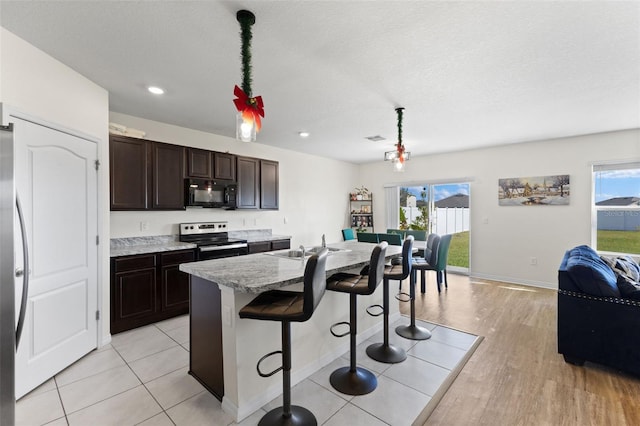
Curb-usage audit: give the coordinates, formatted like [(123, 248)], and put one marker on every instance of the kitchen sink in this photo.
[(297, 254), (290, 254), (314, 250)]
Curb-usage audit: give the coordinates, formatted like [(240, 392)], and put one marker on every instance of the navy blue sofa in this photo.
[(595, 323)]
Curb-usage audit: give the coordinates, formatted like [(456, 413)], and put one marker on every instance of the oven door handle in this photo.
[(226, 247)]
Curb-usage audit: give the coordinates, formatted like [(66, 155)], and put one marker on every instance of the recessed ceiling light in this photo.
[(155, 90), (304, 134)]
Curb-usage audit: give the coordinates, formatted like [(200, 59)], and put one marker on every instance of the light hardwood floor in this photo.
[(516, 376)]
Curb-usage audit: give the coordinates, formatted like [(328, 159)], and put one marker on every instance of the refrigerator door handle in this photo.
[(25, 275)]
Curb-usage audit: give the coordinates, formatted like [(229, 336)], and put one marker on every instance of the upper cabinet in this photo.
[(199, 163), (129, 172), (203, 164), (148, 175), (145, 175), (258, 184), (224, 166), (269, 185), (167, 176), (248, 183)]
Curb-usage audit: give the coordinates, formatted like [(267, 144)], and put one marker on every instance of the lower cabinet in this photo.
[(262, 246), (147, 288)]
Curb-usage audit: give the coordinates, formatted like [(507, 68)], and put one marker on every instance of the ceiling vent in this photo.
[(376, 138)]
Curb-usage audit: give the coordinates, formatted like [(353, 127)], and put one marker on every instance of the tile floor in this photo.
[(141, 379)]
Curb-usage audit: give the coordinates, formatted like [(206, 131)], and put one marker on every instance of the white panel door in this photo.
[(56, 181)]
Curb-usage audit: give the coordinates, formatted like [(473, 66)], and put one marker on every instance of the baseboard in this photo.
[(511, 280)]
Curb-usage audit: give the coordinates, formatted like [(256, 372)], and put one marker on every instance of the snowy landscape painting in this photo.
[(551, 190)]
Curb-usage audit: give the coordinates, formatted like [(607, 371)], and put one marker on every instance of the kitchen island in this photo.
[(225, 349)]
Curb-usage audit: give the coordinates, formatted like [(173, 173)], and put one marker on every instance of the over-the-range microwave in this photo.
[(210, 193)]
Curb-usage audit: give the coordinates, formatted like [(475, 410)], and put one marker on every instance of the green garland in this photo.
[(399, 111), (246, 21)]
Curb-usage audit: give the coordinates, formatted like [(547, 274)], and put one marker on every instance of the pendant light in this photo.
[(400, 155), (250, 108)]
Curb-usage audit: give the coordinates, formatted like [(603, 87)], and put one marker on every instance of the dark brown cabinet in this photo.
[(262, 246), (199, 163), (269, 184), (147, 288), (248, 183), (129, 174), (167, 177), (224, 166), (145, 175), (258, 184)]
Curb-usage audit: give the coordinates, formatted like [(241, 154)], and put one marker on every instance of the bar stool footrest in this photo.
[(347, 323), (375, 314), (403, 297), (264, 358)]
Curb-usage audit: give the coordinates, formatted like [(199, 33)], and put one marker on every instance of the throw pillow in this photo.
[(627, 272), (590, 273)]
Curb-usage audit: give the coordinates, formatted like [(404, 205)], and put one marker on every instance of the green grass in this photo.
[(619, 241), (459, 250)]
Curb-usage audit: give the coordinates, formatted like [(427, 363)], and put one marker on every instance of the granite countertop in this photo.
[(142, 245), (153, 244), (258, 272)]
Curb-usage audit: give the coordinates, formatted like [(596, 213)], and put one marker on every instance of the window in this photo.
[(617, 208)]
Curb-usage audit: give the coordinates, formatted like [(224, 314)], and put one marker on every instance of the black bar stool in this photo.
[(385, 352), (355, 380), (287, 307), (413, 331)]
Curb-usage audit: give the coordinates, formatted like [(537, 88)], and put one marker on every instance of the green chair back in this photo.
[(348, 234), (417, 235), (400, 232), (392, 239), (443, 252), (367, 237)]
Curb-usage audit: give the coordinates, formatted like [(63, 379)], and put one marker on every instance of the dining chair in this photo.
[(392, 239), (418, 235), (367, 237), (348, 234), (440, 265), (401, 232)]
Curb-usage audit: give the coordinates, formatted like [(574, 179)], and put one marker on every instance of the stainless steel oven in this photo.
[(212, 240)]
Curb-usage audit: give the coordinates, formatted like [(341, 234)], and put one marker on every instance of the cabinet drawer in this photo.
[(134, 262), (259, 247), (280, 244), (176, 257)]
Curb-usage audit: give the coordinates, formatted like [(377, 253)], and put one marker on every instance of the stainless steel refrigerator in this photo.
[(14, 267)]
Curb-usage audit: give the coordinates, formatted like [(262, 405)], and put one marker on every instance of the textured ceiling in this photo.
[(469, 74)]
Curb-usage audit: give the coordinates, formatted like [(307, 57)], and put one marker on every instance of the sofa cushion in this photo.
[(627, 272), (590, 273)]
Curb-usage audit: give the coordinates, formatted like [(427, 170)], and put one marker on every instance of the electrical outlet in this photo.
[(533, 261), (285, 220), (244, 222), (144, 226), (226, 315)]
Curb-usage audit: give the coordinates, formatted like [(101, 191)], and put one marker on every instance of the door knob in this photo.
[(19, 272)]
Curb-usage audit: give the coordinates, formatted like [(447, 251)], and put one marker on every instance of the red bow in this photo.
[(400, 152), (251, 108)]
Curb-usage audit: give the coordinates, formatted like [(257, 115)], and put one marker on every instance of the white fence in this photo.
[(445, 220)]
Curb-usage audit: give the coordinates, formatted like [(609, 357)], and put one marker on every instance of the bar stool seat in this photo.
[(385, 352), (354, 380), (287, 307)]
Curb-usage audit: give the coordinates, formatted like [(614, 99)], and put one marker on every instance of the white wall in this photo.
[(502, 247), (314, 191), (39, 85)]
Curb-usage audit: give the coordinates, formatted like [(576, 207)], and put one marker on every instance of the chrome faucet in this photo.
[(324, 243), (302, 249)]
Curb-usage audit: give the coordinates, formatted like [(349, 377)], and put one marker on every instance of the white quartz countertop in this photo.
[(259, 272)]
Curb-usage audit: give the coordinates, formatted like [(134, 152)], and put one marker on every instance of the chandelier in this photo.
[(250, 108), (399, 155)]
